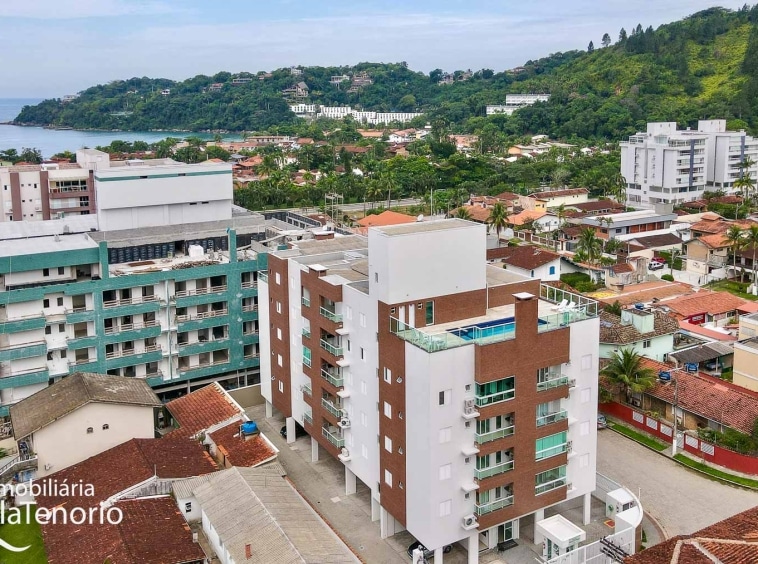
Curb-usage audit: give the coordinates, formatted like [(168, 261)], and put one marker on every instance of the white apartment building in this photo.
[(666, 165), (421, 379), (341, 112), (515, 102)]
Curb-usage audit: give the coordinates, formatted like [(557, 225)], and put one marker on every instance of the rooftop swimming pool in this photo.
[(503, 328)]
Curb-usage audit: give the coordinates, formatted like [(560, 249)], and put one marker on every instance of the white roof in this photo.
[(561, 529), (36, 245), (24, 229)]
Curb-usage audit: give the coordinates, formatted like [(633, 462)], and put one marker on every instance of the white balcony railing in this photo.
[(200, 291), (483, 473), (491, 506), (494, 435)]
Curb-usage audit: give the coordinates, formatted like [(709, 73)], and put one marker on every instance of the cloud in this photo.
[(77, 9)]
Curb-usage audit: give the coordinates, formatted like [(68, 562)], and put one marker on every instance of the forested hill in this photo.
[(705, 66)]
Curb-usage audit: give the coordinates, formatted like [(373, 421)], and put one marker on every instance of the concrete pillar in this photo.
[(291, 433), (386, 523), (314, 449), (539, 515), (587, 517), (438, 555), (350, 482), (269, 410), (473, 548), (375, 508)]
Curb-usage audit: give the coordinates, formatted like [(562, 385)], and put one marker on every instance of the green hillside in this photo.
[(705, 66)]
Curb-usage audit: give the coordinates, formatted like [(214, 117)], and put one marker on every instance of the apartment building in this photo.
[(341, 112), (419, 374), (515, 102), (674, 166)]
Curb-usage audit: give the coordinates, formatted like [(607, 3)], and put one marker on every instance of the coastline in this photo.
[(96, 130)]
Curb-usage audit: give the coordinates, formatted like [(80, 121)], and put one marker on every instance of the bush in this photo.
[(580, 281), (667, 277)]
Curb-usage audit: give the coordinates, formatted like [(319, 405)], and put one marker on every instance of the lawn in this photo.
[(718, 474), (639, 437), (25, 534), (733, 287), (667, 255)]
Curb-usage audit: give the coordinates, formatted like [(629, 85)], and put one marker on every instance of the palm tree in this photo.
[(498, 219), (735, 236), (560, 213), (625, 368), (462, 213), (589, 245), (745, 184), (612, 246), (751, 240)]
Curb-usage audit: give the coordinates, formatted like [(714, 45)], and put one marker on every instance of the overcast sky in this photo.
[(56, 47)]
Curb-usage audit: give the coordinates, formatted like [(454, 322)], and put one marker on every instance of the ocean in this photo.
[(52, 141)]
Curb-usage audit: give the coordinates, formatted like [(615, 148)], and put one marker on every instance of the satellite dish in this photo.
[(420, 217)]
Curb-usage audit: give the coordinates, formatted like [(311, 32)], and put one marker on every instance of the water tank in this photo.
[(639, 306), (249, 428), (664, 376), (690, 367)]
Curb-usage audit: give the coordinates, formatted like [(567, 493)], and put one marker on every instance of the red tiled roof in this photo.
[(240, 452), (714, 241), (622, 268), (731, 541), (707, 301), (525, 217), (559, 193), (476, 213), (385, 218), (200, 409), (526, 257), (510, 196), (712, 223), (598, 206), (706, 332)]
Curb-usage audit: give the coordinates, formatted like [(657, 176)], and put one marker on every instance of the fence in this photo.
[(693, 445)]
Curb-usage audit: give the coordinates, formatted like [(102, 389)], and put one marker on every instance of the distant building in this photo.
[(648, 333), (341, 112), (515, 102), (241, 80)]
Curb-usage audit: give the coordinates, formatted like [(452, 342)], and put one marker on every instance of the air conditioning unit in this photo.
[(469, 522), (467, 460), (345, 453), (344, 422), (569, 486), (572, 383), (469, 403), (569, 446), (637, 402)]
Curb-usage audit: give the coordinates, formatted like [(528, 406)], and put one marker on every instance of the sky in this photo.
[(49, 48)]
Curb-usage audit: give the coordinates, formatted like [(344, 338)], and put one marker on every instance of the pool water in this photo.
[(495, 328)]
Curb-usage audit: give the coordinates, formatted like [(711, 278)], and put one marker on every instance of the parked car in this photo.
[(654, 265), (602, 422), (299, 431), (427, 553)]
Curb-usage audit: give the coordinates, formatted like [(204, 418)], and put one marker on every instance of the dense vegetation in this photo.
[(705, 66)]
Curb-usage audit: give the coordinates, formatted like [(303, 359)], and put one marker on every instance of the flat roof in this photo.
[(70, 224), (49, 244), (561, 528), (427, 226)]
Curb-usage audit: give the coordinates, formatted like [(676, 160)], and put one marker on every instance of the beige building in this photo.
[(708, 254), (82, 416), (746, 353)]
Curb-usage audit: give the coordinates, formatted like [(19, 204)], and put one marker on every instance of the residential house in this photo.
[(708, 307), (746, 353), (81, 416), (554, 198), (216, 86), (731, 541), (529, 218), (648, 245), (255, 515), (627, 271), (528, 260), (387, 217), (135, 477), (649, 333), (402, 136), (712, 358), (634, 222), (598, 207), (707, 255)]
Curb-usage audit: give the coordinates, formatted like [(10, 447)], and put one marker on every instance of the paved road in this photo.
[(682, 501)]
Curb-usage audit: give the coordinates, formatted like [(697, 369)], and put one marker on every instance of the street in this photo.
[(680, 500)]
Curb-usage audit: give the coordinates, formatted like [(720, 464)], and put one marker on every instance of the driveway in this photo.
[(680, 500)]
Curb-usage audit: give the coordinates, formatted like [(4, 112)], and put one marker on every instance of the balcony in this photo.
[(481, 474), (249, 285), (307, 361), (550, 486), (202, 315), (330, 315), (130, 301), (552, 451), (307, 419), (250, 307), (331, 408), (130, 327), (200, 291), (483, 401), (334, 378), (129, 352), (482, 438), (494, 505), (552, 418), (333, 438), (552, 381), (306, 302), (307, 390), (263, 277), (306, 333), (330, 348)]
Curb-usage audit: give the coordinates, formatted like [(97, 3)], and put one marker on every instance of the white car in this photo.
[(655, 265)]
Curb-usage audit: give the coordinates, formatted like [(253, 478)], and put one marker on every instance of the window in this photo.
[(444, 397), (549, 480), (551, 271), (48, 330), (587, 362), (494, 392), (90, 430), (364, 451), (363, 319), (61, 270), (646, 344), (430, 313), (61, 327), (364, 388), (387, 375), (551, 445), (387, 410), (45, 272), (446, 471), (278, 278), (446, 507), (278, 307), (584, 461), (586, 395), (388, 478), (106, 427), (363, 354), (45, 303), (188, 507), (584, 428), (278, 333), (281, 387), (376, 277), (387, 444), (446, 434), (279, 360), (364, 419), (59, 301)]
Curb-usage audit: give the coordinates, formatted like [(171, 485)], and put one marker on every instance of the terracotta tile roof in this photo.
[(526, 257), (612, 331), (525, 216), (706, 332), (572, 232), (109, 473), (731, 541), (715, 224), (653, 241), (69, 394), (202, 408), (239, 452), (559, 193), (385, 218), (707, 396), (600, 205), (643, 293), (621, 268), (510, 196), (476, 213), (707, 301), (713, 241)]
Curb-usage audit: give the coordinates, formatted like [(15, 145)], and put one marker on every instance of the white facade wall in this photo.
[(550, 271), (264, 340), (66, 441), (658, 349), (297, 322)]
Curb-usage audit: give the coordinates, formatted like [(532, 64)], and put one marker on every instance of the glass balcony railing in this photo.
[(483, 473), (331, 315), (330, 348), (306, 333), (552, 418), (333, 438), (305, 301), (307, 390), (333, 379), (307, 361), (485, 508), (552, 381), (331, 408), (552, 451), (494, 435), (550, 486), (307, 419), (483, 401)]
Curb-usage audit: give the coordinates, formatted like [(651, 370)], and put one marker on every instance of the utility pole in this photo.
[(676, 402)]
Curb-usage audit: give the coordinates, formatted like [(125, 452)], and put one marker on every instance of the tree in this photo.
[(407, 103), (745, 184), (462, 213), (498, 219), (735, 236), (626, 369), (590, 47), (29, 155), (606, 41), (622, 35), (560, 213), (614, 308), (589, 245), (751, 240), (613, 246)]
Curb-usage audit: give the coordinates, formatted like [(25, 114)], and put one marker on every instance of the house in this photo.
[(526, 217), (231, 445), (554, 198), (387, 217), (599, 207), (136, 479), (255, 515), (166, 92), (711, 358), (648, 333), (529, 260), (197, 411), (746, 353), (731, 541), (707, 255), (706, 306), (479, 213), (647, 244), (634, 222), (81, 416), (216, 86)]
